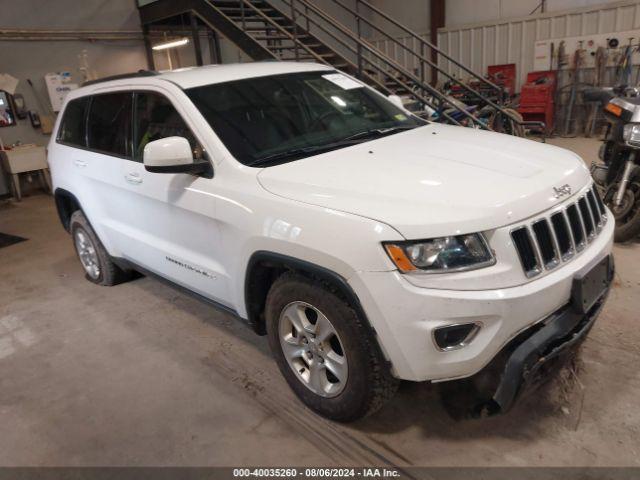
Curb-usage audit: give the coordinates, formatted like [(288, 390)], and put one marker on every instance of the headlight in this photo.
[(441, 255), (631, 134)]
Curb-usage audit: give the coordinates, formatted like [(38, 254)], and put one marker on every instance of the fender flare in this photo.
[(63, 214), (313, 270), (304, 267)]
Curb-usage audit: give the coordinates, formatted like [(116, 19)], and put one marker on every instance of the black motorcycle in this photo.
[(619, 175)]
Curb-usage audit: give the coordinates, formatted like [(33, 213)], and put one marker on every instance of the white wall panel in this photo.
[(461, 12), (512, 41)]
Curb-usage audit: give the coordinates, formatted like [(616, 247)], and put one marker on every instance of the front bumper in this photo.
[(540, 346), (404, 316)]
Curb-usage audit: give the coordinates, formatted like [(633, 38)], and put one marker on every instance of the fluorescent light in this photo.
[(171, 44)]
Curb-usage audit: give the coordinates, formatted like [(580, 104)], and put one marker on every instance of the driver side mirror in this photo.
[(174, 155)]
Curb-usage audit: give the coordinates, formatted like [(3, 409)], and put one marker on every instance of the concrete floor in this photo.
[(139, 374)]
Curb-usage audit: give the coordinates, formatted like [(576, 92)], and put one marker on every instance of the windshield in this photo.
[(270, 120)]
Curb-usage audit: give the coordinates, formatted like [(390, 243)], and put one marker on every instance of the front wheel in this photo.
[(627, 215), (509, 122), (324, 350)]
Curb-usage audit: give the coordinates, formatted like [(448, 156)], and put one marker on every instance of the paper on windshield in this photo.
[(342, 81)]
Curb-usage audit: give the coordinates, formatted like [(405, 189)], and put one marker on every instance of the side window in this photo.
[(72, 127), (109, 124), (157, 118)]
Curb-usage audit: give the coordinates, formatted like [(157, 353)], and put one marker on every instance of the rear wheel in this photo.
[(98, 266), (324, 350)]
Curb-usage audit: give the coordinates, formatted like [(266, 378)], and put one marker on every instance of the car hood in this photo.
[(434, 180)]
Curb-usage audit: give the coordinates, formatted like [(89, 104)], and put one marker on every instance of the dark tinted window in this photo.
[(157, 118), (72, 126), (258, 118), (109, 124)]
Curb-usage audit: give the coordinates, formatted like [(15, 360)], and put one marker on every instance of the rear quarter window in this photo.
[(72, 129)]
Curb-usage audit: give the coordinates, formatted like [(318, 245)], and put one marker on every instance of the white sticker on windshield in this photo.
[(342, 81)]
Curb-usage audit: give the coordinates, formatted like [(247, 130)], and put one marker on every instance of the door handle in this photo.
[(80, 163), (133, 178)]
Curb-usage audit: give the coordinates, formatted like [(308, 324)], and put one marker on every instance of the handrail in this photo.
[(282, 30), (393, 64), (424, 100), (421, 84), (310, 20), (425, 42), (422, 58)]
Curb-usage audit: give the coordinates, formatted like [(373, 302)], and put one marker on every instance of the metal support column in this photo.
[(437, 21), (147, 47), (359, 32), (294, 25), (195, 35), (214, 47)]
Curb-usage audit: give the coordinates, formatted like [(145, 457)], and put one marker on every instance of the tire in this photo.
[(363, 383), (504, 124), (628, 218), (98, 266)]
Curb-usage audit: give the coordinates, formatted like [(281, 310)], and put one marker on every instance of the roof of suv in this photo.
[(197, 76)]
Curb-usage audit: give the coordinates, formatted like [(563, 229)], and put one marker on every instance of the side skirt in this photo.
[(128, 265)]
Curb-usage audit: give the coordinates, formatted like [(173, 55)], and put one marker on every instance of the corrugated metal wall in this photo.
[(512, 40), (400, 55)]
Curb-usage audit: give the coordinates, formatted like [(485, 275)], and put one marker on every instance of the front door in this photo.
[(172, 227)]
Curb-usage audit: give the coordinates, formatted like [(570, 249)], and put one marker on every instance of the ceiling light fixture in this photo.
[(171, 44)]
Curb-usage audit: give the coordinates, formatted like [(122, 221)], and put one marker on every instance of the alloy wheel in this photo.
[(313, 349), (87, 253)]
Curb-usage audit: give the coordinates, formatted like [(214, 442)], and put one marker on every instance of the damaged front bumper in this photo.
[(528, 355)]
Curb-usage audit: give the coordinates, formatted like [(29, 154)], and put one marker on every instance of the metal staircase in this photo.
[(298, 30)]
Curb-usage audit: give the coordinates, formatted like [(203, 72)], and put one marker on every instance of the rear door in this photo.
[(66, 156), (171, 218), (107, 144)]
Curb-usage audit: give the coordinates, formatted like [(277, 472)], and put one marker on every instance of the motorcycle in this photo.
[(619, 175)]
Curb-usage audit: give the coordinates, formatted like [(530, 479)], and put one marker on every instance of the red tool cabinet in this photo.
[(537, 98)]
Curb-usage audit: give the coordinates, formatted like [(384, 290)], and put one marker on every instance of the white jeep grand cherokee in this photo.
[(369, 245)]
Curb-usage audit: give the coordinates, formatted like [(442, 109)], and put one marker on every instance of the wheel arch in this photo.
[(264, 267), (66, 204)]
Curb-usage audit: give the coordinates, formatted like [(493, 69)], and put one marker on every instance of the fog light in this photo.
[(452, 337)]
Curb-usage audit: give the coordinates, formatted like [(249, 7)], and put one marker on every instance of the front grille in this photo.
[(548, 242), (587, 219), (545, 242), (577, 229), (524, 244), (594, 208), (563, 235)]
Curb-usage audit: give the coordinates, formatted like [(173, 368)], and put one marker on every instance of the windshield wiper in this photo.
[(303, 151), (379, 132), (345, 142)]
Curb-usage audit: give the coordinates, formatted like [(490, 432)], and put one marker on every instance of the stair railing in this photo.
[(424, 60), (425, 44), (308, 21), (243, 4), (360, 46)]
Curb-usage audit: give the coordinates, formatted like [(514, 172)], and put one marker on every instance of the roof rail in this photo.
[(139, 73)]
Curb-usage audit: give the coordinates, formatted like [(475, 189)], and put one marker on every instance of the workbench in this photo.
[(26, 159)]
